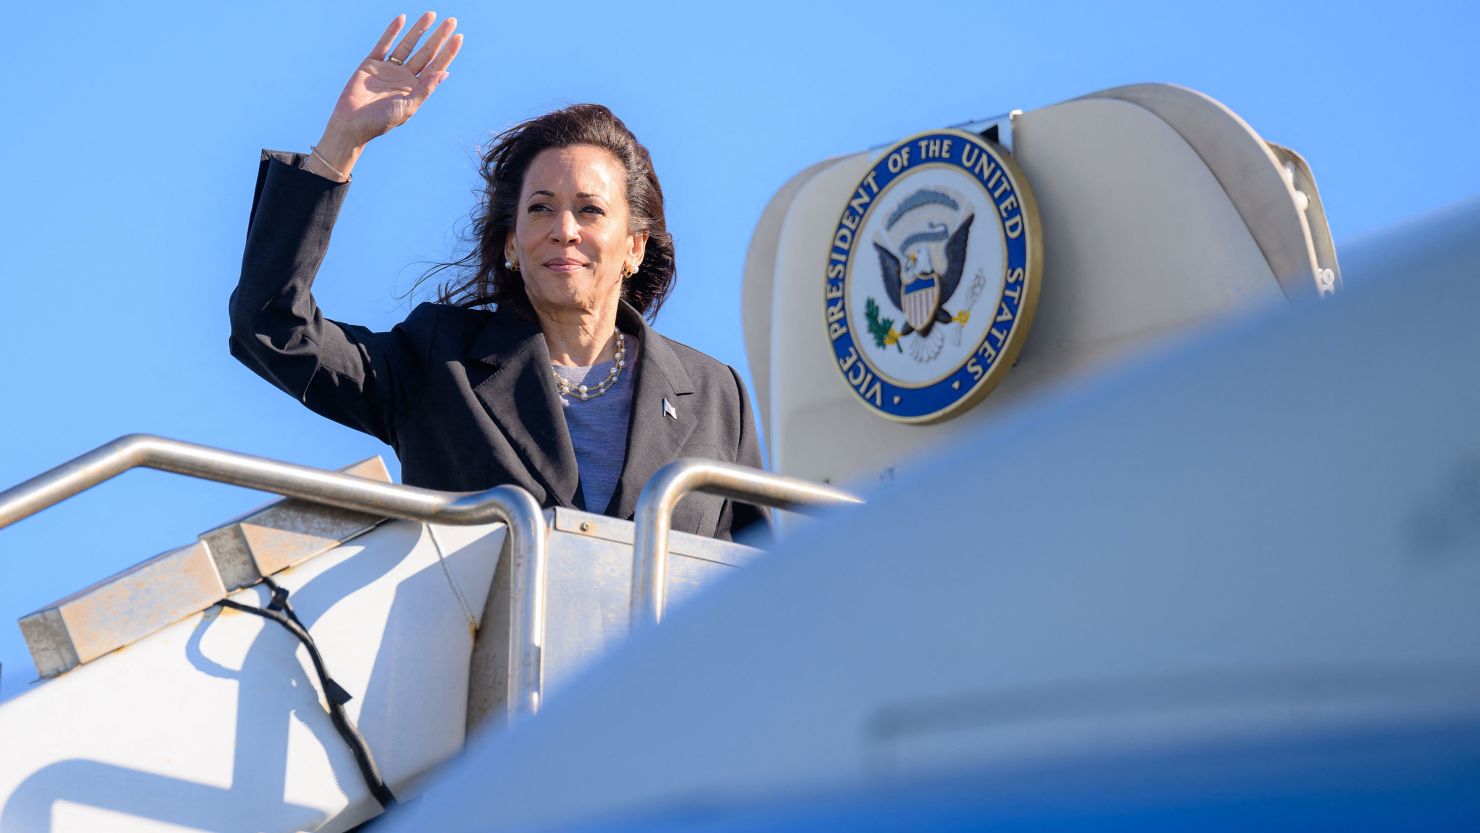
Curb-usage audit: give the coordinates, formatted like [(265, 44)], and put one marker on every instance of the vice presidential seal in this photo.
[(932, 276)]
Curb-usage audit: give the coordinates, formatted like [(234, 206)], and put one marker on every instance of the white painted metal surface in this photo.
[(215, 723), (1161, 210), (587, 598), (1271, 533)]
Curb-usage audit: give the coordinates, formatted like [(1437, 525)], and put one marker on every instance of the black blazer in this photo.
[(466, 397)]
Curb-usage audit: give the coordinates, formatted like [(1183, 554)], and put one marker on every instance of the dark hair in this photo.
[(504, 163)]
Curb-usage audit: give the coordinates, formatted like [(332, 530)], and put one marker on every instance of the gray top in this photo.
[(598, 427)]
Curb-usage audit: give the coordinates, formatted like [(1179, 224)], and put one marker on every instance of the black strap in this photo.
[(278, 610)]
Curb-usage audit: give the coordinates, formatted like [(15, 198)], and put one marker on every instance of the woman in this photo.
[(562, 388)]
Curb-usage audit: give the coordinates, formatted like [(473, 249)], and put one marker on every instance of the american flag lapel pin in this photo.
[(669, 411)]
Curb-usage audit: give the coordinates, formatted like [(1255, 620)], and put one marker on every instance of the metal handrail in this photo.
[(671, 483), (512, 505)]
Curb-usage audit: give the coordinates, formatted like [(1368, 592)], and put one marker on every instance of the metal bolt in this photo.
[(585, 526), (1326, 282)]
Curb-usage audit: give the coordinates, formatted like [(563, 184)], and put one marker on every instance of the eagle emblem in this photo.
[(923, 277)]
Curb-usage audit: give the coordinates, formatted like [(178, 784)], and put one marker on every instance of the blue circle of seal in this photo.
[(979, 371)]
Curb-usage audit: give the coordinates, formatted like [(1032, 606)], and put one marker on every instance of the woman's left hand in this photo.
[(388, 87)]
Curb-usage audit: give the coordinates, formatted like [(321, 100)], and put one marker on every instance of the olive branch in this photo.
[(881, 329)]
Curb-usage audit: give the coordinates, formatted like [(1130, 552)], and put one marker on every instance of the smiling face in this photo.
[(571, 234)]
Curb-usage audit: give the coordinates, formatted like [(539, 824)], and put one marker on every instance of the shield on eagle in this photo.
[(921, 297)]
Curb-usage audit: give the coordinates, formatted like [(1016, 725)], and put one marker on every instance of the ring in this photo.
[(397, 61)]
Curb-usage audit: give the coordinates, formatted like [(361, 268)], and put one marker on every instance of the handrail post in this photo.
[(528, 575), (654, 517)]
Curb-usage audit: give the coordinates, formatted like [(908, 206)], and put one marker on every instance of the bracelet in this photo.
[(314, 151)]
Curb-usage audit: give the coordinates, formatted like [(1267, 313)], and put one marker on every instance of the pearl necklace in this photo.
[(583, 392)]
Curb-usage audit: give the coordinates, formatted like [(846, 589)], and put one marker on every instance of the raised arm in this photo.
[(352, 375)]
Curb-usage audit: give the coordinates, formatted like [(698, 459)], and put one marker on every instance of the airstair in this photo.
[(180, 694)]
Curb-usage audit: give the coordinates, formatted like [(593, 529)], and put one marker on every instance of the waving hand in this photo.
[(387, 88)]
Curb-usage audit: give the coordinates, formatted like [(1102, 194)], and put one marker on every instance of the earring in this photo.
[(511, 265), (627, 271)]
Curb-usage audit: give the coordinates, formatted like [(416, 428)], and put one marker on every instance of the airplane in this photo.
[(1191, 544)]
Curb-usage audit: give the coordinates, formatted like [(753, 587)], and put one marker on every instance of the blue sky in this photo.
[(133, 135)]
